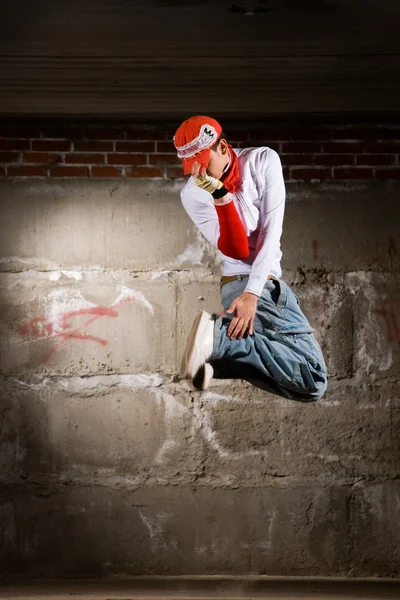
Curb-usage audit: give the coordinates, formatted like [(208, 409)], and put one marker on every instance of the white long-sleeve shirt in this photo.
[(260, 203)]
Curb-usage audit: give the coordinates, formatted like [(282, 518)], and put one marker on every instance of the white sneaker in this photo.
[(199, 346)]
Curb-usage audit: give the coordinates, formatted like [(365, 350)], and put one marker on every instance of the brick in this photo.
[(69, 171), (351, 133), (300, 147), (146, 134), (309, 134), (106, 172), (341, 148), (334, 159), (135, 146), (63, 133), (26, 171), (297, 159), (269, 134), (255, 144), (286, 173), (19, 131), (41, 157), (173, 173), (2, 172), (308, 174), (105, 134), (382, 147), (353, 173), (93, 146), (127, 159), (144, 172), (238, 135), (164, 159), (166, 147), (14, 144), (387, 174), (7, 157), (50, 146), (375, 159), (370, 133), (85, 158)]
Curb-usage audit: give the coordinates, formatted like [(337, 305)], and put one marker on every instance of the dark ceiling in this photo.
[(172, 58)]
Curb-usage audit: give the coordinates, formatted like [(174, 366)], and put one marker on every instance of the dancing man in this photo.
[(236, 198)]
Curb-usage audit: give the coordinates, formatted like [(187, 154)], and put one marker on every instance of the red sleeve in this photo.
[(232, 238)]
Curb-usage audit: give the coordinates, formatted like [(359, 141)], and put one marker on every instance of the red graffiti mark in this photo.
[(315, 249), (61, 326), (386, 311)]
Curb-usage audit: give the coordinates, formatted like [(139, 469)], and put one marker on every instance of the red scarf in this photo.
[(231, 178)]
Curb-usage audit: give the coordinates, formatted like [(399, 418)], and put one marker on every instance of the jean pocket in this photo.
[(279, 293), (275, 293)]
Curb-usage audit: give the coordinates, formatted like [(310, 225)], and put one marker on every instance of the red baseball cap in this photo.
[(194, 139)]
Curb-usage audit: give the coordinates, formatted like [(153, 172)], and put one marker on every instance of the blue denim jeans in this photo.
[(282, 356)]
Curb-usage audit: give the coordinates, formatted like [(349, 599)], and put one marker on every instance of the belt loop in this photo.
[(239, 277)]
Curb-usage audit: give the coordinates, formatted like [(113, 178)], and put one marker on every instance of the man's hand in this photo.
[(244, 308), (206, 182)]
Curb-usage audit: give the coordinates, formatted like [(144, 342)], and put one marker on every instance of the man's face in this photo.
[(219, 158)]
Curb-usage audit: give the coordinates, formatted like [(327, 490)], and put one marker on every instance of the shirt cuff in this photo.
[(255, 285)]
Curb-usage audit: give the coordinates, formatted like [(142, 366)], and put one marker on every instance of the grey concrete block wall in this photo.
[(111, 465)]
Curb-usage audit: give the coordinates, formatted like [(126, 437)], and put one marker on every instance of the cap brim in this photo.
[(203, 158)]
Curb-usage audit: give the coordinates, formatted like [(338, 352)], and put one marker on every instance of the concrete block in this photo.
[(137, 225), (121, 429), (329, 309), (115, 431), (230, 481), (22, 427), (341, 227), (374, 529), (254, 437), (169, 530), (377, 324), (349, 434), (85, 324), (240, 425), (141, 225)]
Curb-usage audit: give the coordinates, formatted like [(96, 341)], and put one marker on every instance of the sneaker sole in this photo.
[(201, 321), (202, 379)]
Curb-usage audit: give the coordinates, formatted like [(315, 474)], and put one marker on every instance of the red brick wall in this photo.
[(309, 153)]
